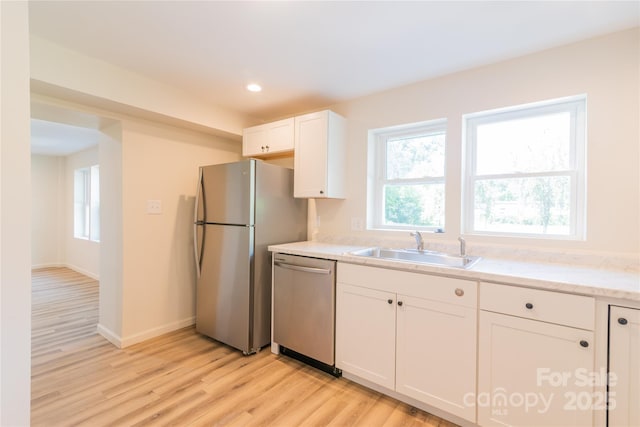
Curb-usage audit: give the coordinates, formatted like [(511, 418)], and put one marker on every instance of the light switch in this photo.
[(154, 207)]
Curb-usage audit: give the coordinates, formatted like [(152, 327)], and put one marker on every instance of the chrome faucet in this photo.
[(463, 246), (419, 241)]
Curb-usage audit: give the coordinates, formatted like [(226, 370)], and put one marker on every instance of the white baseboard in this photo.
[(47, 265), (87, 273), (410, 401), (121, 342), (110, 336), (75, 268)]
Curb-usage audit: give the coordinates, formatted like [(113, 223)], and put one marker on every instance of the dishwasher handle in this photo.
[(304, 269)]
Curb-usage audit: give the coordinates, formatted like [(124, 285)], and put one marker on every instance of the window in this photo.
[(525, 170), (86, 200), (409, 176)]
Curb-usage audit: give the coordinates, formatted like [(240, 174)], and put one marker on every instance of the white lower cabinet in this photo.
[(624, 367), (408, 332), (532, 372), (490, 354), (436, 354), (366, 333)]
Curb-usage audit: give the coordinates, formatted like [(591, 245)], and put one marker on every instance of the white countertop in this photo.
[(578, 280)]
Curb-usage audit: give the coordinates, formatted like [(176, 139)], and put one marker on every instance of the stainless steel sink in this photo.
[(422, 257)]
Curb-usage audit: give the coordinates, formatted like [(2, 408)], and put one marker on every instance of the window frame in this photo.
[(576, 107), (380, 138), (89, 203)]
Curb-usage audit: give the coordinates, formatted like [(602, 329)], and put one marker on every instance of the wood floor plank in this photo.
[(178, 379)]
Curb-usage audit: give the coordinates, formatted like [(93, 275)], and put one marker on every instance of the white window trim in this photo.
[(577, 107), (88, 199), (380, 136)]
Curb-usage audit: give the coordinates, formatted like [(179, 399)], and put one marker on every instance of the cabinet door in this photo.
[(624, 367), (533, 373), (310, 172), (281, 134), (254, 140), (365, 333), (268, 139), (436, 354)]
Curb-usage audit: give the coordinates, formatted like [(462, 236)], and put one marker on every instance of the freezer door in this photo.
[(228, 192), (224, 286)]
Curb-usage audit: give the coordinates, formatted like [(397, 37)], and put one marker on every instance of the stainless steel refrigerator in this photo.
[(241, 208)]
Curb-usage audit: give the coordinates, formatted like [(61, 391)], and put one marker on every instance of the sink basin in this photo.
[(421, 257)]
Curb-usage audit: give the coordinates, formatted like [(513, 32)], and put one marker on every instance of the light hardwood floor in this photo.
[(180, 379)]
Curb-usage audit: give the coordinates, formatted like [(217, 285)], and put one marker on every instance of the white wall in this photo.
[(47, 210), (52, 238), (79, 254), (15, 222), (110, 310), (55, 68), (158, 276), (606, 69), (147, 273)]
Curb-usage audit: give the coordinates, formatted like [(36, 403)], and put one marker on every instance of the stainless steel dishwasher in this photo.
[(304, 309)]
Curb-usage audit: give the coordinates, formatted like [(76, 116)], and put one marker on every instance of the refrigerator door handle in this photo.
[(197, 222), (197, 250), (199, 190)]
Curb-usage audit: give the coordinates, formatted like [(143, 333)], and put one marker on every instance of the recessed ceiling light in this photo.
[(254, 87)]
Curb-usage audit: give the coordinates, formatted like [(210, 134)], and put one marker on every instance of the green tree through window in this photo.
[(410, 176)]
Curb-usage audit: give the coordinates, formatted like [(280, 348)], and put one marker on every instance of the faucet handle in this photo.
[(463, 246), (419, 241)]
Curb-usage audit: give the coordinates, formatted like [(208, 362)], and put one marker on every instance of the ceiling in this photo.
[(311, 54), (60, 139)]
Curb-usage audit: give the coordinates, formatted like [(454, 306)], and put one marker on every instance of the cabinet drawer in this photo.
[(436, 288), (553, 307)]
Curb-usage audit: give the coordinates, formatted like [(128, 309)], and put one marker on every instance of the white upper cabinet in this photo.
[(319, 155), (268, 139)]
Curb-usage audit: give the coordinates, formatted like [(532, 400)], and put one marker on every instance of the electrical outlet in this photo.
[(154, 207)]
